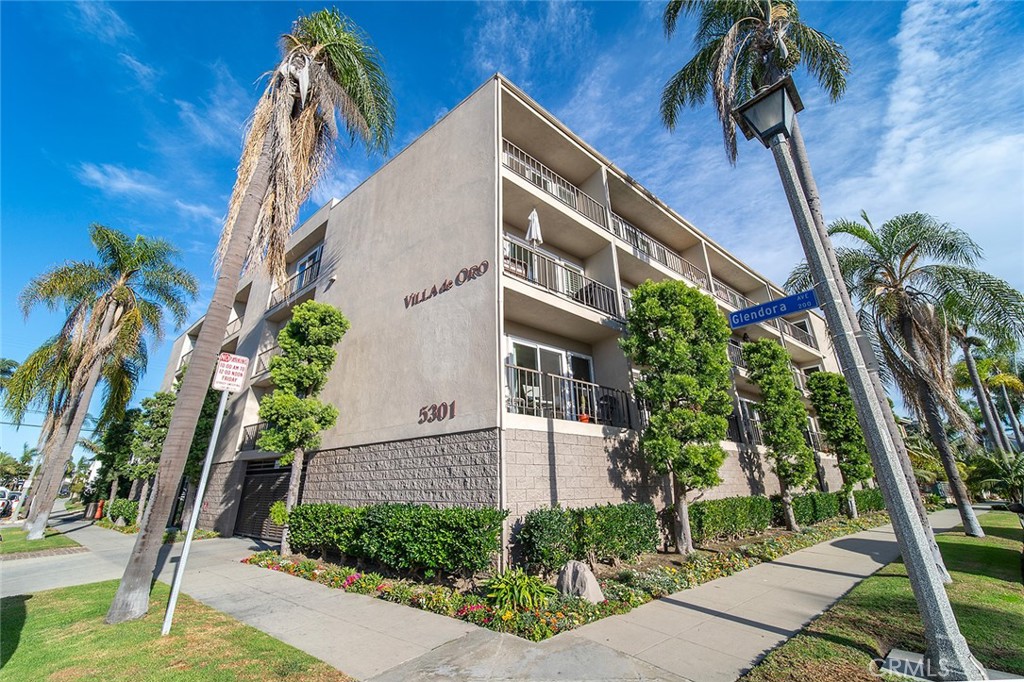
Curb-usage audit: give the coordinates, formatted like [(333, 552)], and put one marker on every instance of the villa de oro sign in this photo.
[(230, 373), (805, 300)]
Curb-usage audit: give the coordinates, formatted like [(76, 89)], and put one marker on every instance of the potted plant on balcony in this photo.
[(584, 409)]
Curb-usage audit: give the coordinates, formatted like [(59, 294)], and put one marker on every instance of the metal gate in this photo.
[(265, 483)]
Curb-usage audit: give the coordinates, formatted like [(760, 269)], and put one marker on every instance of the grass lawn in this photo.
[(880, 613), (60, 635), (15, 542)]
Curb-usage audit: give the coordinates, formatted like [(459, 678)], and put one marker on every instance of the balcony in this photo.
[(736, 355), (184, 361), (234, 326), (530, 265), (536, 173), (815, 441), (552, 396), (251, 434), (294, 285), (652, 248), (795, 332), (263, 360), (734, 298)]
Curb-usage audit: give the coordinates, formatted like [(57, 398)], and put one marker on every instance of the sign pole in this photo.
[(179, 574)]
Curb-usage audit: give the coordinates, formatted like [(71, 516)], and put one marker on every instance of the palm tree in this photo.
[(1003, 472), (1005, 381), (742, 46), (113, 303), (328, 67), (901, 273), (994, 313)]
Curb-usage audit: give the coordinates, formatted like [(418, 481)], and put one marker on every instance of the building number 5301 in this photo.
[(437, 413)]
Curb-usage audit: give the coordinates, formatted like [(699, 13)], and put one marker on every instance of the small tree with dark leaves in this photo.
[(831, 399), (295, 417), (678, 337), (783, 419)]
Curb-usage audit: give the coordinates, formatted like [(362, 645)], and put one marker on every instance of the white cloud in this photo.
[(144, 74), (525, 39), (100, 19), (951, 141), (336, 183), (200, 212), (218, 119), (114, 180)]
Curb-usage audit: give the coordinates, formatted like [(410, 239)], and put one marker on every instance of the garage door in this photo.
[(265, 483)]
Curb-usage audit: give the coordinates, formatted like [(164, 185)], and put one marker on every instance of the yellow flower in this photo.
[(559, 615), (506, 616)]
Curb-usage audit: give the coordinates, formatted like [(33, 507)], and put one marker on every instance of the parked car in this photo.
[(6, 504)]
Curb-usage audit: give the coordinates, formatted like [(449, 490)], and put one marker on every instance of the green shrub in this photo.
[(514, 589), (809, 508), (126, 509), (321, 528), (868, 500), (611, 532), (418, 538), (547, 538), (730, 517)]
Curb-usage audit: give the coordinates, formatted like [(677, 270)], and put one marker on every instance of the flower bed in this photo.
[(624, 592), (171, 535)]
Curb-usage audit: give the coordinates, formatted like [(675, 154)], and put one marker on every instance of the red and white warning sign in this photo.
[(230, 374)]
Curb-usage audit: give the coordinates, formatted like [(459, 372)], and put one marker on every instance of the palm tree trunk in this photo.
[(143, 500), (113, 493), (132, 598), (810, 188), (1013, 420), (995, 435), (38, 460), (65, 439), (684, 534), (190, 505), (294, 481), (937, 432)]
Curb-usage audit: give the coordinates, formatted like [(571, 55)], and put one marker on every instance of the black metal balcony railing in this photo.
[(263, 360), (251, 434), (554, 184), (651, 247), (295, 284), (793, 331), (734, 298), (816, 441), (558, 397), (531, 265), (733, 433), (627, 302), (736, 355), (754, 435)]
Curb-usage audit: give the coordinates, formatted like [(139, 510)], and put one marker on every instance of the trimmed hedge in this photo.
[(730, 517), (326, 527), (809, 508), (869, 500), (124, 508), (406, 537), (551, 537)]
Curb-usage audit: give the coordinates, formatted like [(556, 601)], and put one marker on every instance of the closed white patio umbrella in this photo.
[(533, 229)]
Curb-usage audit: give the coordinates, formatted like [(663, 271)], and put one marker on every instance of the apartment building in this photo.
[(482, 368)]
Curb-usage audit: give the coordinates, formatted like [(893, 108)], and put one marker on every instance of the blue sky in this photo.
[(131, 114)]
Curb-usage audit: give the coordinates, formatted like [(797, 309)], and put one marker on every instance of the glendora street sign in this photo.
[(805, 300)]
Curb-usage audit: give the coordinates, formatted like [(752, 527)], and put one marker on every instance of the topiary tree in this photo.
[(831, 399), (678, 337), (783, 419), (293, 414), (148, 442)]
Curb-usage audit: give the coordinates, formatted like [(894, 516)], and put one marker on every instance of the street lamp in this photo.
[(770, 116)]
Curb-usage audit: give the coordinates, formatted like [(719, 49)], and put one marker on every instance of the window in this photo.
[(545, 381), (307, 269)]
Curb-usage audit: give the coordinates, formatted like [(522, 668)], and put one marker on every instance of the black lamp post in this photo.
[(769, 116)]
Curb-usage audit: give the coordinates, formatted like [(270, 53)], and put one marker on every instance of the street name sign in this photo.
[(805, 300), (230, 374)]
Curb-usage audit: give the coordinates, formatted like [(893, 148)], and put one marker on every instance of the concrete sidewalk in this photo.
[(713, 632)]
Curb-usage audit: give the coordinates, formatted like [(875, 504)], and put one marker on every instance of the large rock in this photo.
[(576, 579)]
